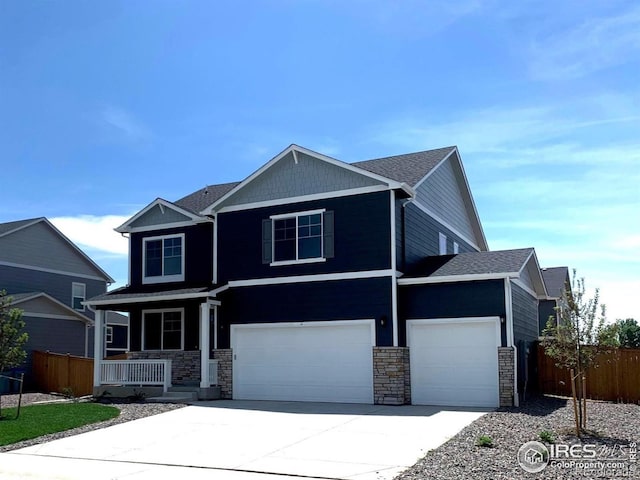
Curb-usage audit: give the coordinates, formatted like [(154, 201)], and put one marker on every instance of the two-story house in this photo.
[(319, 280), (49, 278)]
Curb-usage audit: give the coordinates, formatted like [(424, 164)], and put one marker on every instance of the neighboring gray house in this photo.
[(49, 278), (116, 335), (556, 279)]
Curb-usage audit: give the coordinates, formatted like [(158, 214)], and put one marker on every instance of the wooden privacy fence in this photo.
[(616, 378), (54, 372)]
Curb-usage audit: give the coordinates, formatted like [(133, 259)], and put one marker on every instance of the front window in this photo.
[(163, 330), (109, 335), (78, 295), (297, 237), (164, 259)]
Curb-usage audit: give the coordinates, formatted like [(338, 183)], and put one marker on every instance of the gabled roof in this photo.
[(482, 265), (296, 150), (555, 279), (409, 168), (21, 300), (201, 199), (9, 228), (162, 204)]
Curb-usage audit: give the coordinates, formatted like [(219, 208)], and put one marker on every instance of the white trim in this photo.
[(22, 227), (161, 202), (525, 287), (215, 327), (152, 228), (534, 257), (163, 278), (457, 320), (321, 323), (456, 248), (51, 270), (98, 346), (108, 328), (205, 347), (394, 283), (297, 214), (297, 262), (215, 249), (129, 261), (83, 296), (445, 224), (456, 278), (162, 349), (151, 298), (309, 278), (304, 198), (386, 181)]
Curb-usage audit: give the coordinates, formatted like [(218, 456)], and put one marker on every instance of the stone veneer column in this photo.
[(390, 376), (185, 365), (505, 375), (225, 372)]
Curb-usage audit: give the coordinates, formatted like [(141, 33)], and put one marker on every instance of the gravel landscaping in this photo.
[(129, 410), (611, 426)]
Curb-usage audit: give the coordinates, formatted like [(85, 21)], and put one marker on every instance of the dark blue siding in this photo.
[(362, 238), (313, 301), (451, 300), (20, 280), (525, 333), (198, 254), (546, 309), (120, 334), (421, 237)]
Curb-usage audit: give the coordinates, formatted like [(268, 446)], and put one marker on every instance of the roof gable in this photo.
[(444, 192), (298, 172), (39, 304), (38, 243), (160, 212)]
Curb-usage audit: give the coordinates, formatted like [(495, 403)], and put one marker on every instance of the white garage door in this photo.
[(308, 361), (454, 361)]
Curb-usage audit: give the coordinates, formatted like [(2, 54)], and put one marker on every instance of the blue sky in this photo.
[(105, 106)]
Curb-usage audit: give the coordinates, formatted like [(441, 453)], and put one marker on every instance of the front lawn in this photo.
[(38, 420)]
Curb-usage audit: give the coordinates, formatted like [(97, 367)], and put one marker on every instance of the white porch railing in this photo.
[(213, 373), (136, 372)]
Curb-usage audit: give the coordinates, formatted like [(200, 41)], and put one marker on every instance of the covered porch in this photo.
[(173, 335)]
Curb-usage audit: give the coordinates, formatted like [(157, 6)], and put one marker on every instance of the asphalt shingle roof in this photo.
[(554, 279), (409, 168), (8, 226), (129, 293), (473, 263)]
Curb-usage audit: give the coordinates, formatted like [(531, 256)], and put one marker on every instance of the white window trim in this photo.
[(163, 310), (84, 296), (296, 215), (442, 244), (108, 334), (162, 278), (456, 248)]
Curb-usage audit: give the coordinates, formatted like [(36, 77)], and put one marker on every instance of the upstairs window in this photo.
[(163, 259), (302, 237), (78, 295)]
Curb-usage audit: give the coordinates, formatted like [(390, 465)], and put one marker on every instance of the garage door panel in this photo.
[(319, 361), (454, 362)]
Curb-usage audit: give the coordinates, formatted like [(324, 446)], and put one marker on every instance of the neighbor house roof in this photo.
[(21, 301), (555, 279), (11, 226)]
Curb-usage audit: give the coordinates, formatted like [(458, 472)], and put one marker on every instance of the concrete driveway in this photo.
[(248, 440)]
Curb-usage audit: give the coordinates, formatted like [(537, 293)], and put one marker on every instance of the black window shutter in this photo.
[(266, 241), (329, 251)]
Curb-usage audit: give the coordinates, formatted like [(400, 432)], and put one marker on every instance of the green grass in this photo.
[(38, 420)]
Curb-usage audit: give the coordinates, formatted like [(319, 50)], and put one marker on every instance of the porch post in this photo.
[(204, 344), (98, 346)]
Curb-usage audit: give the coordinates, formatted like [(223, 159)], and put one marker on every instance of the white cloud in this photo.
[(596, 44), (95, 232), (124, 122)]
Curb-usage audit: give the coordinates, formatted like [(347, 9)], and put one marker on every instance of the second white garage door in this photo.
[(454, 362), (307, 361)]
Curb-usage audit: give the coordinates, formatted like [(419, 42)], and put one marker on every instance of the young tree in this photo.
[(12, 338), (579, 337), (628, 333)]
